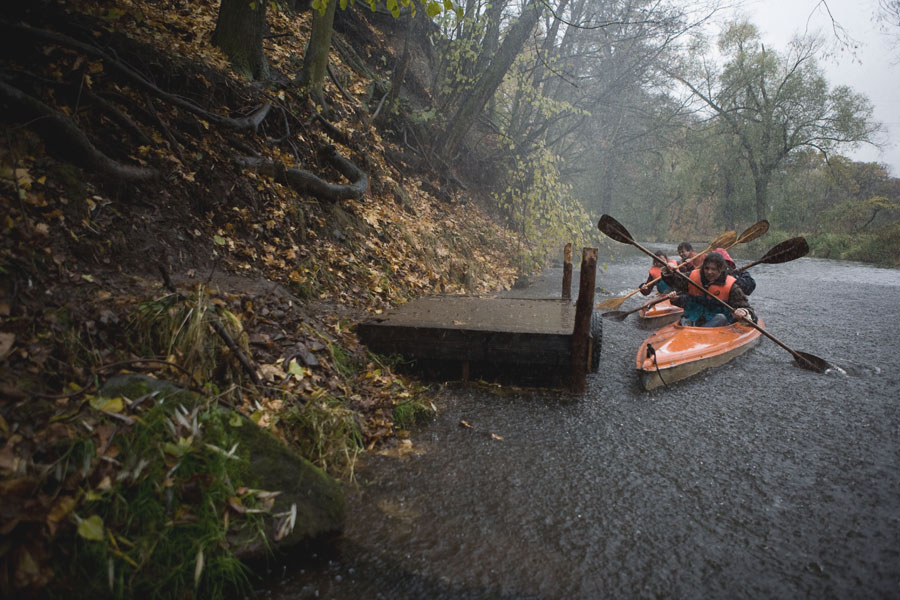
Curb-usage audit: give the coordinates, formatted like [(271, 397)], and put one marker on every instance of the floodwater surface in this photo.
[(756, 479)]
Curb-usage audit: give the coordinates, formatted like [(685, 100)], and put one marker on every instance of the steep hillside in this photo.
[(161, 215)]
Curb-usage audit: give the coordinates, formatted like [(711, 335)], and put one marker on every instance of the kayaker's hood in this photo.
[(726, 256)]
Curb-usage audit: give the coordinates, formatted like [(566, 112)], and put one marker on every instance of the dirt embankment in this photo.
[(152, 221)]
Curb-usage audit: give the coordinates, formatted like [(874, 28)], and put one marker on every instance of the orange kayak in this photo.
[(676, 352), (659, 314)]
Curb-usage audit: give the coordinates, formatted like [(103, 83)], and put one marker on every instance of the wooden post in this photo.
[(581, 333), (567, 272)]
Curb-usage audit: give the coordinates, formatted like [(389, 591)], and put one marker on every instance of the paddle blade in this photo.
[(755, 231), (786, 251), (616, 315), (612, 228), (612, 303), (811, 362), (727, 239)]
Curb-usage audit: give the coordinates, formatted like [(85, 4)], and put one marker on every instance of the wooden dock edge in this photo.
[(581, 332)]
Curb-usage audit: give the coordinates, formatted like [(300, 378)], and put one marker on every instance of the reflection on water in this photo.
[(755, 479)]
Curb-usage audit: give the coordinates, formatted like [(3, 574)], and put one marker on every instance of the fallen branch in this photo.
[(232, 345)]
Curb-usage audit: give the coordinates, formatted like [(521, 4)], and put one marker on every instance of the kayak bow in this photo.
[(676, 352)]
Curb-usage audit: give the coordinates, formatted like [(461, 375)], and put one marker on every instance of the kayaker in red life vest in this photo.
[(690, 260), (656, 271), (744, 279), (699, 309)]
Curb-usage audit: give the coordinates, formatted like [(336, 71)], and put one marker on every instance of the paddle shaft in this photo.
[(797, 356), (620, 315)]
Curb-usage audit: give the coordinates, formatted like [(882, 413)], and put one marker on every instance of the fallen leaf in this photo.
[(465, 424), (6, 343), (91, 528), (61, 508), (113, 405)]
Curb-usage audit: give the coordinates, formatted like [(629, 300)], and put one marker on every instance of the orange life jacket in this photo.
[(722, 292), (656, 272)]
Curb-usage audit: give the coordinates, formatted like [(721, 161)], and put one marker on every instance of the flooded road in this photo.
[(756, 479)]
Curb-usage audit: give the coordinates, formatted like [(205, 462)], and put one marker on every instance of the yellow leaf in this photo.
[(113, 405), (296, 370), (91, 528)]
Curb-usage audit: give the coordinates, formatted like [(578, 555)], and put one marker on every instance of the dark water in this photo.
[(754, 480)]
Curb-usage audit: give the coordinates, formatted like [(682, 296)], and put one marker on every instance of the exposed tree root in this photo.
[(307, 182), (65, 139)]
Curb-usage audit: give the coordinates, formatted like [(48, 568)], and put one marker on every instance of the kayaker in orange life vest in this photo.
[(690, 260), (656, 271), (744, 279), (699, 309)]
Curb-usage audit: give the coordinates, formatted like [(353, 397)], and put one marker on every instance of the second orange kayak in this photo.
[(676, 352), (659, 314)]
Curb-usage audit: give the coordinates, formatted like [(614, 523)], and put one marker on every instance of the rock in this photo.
[(318, 499)]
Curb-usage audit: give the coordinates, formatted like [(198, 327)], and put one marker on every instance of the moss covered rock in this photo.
[(308, 503)]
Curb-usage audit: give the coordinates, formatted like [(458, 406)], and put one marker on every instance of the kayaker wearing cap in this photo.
[(690, 260), (699, 309), (744, 279), (655, 272)]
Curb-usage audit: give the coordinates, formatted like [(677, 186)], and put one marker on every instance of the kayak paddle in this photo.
[(612, 228)]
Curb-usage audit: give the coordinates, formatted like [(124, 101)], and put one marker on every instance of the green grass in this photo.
[(161, 510)]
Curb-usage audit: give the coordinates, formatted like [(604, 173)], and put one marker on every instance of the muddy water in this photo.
[(755, 480)]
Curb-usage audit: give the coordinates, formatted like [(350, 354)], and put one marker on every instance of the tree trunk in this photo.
[(465, 116), (761, 184), (315, 61), (399, 74), (239, 33)]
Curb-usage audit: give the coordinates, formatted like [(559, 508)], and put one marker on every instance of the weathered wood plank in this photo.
[(502, 330)]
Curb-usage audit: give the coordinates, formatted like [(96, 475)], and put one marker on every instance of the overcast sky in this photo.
[(873, 71)]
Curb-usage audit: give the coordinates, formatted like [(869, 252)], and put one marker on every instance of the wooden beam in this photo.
[(581, 332), (567, 272)]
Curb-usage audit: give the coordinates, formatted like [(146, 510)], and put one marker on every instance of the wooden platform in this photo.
[(483, 329), (517, 333)]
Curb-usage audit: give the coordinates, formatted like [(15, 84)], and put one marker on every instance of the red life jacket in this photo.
[(719, 291)]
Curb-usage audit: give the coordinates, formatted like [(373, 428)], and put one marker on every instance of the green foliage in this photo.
[(854, 216), (326, 432), (180, 328), (412, 412), (541, 208), (160, 528), (432, 8), (343, 361), (455, 74)]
